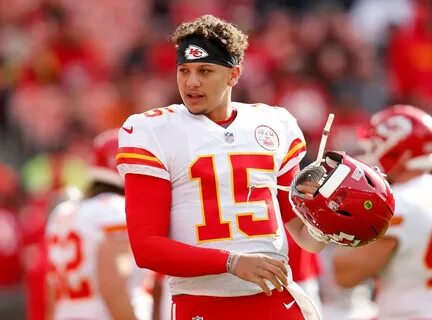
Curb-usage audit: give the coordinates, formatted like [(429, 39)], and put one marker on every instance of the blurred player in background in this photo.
[(344, 303), (201, 188), (11, 273), (399, 139), (92, 274)]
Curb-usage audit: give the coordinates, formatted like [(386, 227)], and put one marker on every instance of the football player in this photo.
[(399, 139), (344, 303), (92, 274), (201, 182), (11, 272)]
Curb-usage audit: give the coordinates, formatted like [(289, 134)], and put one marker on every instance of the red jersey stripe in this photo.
[(396, 220), (115, 228), (133, 155), (135, 150), (297, 146)]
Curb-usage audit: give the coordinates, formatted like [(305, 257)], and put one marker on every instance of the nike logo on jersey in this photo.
[(289, 305), (128, 130)]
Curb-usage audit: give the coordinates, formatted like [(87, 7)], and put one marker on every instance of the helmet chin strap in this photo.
[(314, 172), (323, 141)]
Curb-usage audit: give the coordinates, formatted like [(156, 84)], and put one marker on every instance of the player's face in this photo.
[(205, 88)]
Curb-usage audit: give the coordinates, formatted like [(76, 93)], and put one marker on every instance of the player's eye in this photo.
[(205, 71), (182, 70)]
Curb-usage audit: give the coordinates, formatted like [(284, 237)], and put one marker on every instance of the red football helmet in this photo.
[(103, 168), (395, 130), (352, 207)]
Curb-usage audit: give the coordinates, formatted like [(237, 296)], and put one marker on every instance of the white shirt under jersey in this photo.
[(406, 292), (213, 171), (74, 231)]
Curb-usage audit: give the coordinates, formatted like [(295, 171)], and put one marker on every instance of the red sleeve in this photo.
[(304, 265), (148, 203), (284, 204)]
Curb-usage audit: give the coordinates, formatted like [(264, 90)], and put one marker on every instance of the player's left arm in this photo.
[(354, 265), (114, 260), (302, 236), (294, 224)]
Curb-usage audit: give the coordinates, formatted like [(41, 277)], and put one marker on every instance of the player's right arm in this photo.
[(49, 297), (353, 266), (148, 201), (148, 204), (51, 278), (113, 257)]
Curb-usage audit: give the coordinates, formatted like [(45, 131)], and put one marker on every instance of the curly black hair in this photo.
[(209, 27)]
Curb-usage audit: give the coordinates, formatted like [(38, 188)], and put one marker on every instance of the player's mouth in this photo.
[(195, 97)]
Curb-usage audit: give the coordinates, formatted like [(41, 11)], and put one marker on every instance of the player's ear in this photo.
[(234, 76)]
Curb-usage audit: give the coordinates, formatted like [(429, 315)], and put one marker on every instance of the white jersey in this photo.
[(223, 181), (406, 291), (74, 231)]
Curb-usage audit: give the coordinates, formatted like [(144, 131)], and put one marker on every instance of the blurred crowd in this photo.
[(71, 69)]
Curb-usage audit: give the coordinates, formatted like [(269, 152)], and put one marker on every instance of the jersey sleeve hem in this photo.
[(124, 169)]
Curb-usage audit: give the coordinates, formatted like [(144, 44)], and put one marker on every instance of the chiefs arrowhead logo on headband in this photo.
[(199, 49), (193, 52)]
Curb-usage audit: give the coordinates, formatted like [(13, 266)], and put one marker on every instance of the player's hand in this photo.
[(308, 188), (257, 267), (308, 181)]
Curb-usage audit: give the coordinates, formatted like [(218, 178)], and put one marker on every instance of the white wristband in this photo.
[(232, 261)]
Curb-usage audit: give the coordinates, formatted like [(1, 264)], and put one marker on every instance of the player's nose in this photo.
[(193, 80)]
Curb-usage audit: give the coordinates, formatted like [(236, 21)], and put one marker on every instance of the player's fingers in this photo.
[(279, 264), (280, 275), (270, 276), (307, 189), (313, 184), (260, 281)]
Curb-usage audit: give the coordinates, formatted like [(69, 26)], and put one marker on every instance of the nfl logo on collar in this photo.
[(193, 52), (229, 137), (197, 318)]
